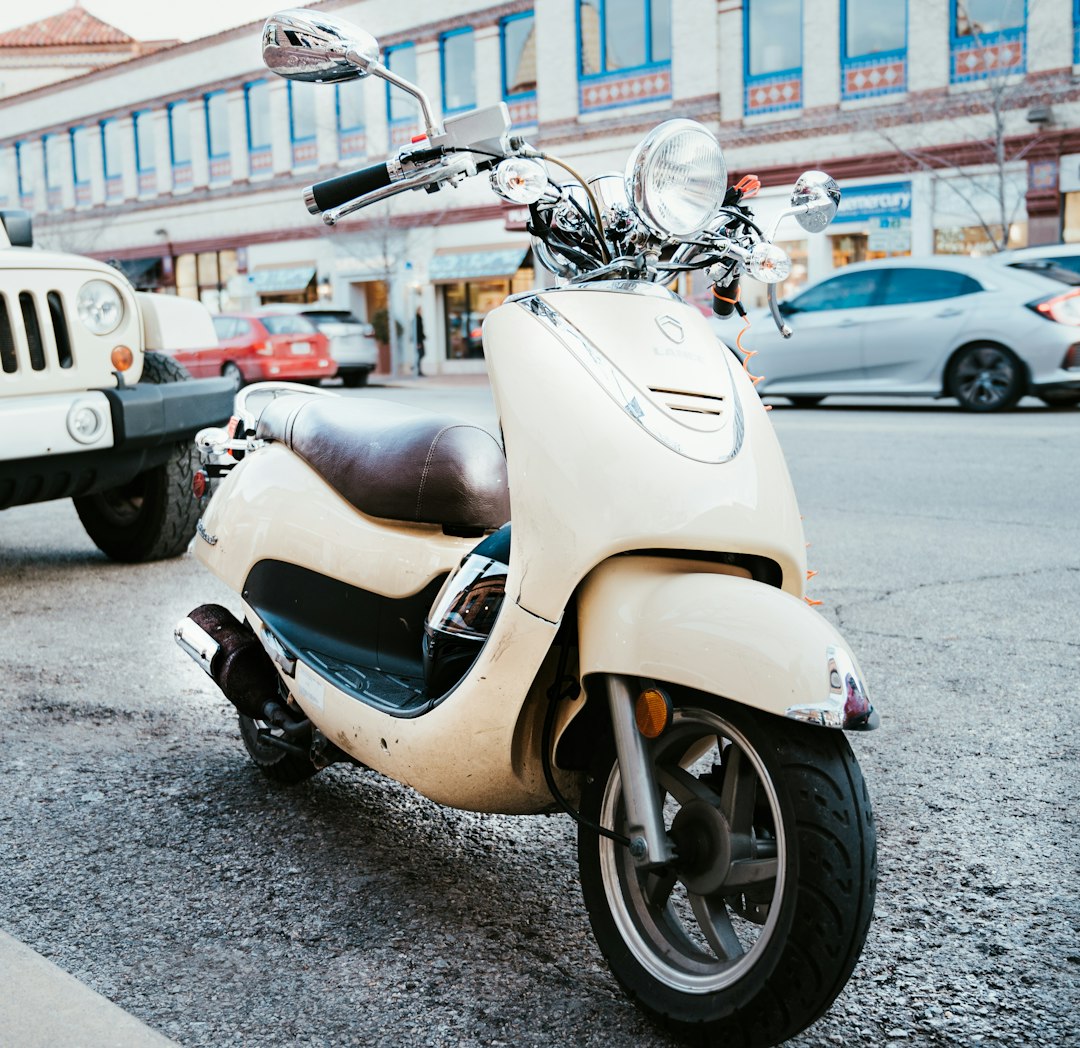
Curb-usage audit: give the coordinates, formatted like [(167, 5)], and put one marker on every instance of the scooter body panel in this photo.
[(689, 624)]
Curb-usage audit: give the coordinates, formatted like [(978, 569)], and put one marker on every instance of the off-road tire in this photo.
[(280, 766), (824, 906), (154, 515)]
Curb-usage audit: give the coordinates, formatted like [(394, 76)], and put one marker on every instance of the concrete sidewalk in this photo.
[(41, 1006)]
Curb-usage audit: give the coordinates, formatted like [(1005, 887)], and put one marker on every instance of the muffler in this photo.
[(228, 651)]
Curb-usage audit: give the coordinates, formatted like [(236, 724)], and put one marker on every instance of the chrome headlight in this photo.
[(677, 177), (100, 307)]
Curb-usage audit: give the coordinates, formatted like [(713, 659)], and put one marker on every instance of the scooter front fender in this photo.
[(699, 625)]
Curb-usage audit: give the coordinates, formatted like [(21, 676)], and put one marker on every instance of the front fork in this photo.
[(649, 841)]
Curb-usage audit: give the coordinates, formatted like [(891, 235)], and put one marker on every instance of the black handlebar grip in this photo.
[(336, 191)]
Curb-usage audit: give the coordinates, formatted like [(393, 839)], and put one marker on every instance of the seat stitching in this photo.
[(431, 451)]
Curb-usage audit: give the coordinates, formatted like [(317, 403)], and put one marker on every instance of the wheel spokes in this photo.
[(684, 786), (744, 872), (738, 795), (715, 923)]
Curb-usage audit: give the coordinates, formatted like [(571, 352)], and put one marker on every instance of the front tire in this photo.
[(987, 378), (756, 928), (154, 515)]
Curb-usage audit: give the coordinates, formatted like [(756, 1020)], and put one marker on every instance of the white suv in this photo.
[(90, 408)]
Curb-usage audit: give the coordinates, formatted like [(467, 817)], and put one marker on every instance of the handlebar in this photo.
[(339, 190)]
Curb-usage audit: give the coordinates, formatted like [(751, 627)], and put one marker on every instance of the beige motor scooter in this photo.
[(603, 613)]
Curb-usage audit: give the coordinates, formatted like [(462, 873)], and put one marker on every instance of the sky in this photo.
[(152, 19)]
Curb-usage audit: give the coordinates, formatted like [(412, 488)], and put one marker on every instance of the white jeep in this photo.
[(91, 408)]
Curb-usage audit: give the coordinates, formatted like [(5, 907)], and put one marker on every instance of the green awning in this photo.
[(476, 265)]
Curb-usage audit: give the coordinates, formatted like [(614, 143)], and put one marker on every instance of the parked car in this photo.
[(91, 406), (973, 329), (256, 346), (1044, 259), (352, 342)]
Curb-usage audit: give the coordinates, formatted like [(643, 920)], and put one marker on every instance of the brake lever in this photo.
[(774, 308)]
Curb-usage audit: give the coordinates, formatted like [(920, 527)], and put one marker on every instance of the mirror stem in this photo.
[(379, 70)]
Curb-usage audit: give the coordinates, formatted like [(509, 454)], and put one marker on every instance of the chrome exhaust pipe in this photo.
[(194, 640)]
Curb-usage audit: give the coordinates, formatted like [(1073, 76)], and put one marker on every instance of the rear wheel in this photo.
[(280, 765), (749, 936), (355, 379), (154, 515), (232, 372), (986, 378)]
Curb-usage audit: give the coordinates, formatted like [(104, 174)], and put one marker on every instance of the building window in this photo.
[(145, 148), (111, 155), (873, 35), (180, 144), (57, 158), (772, 55), (217, 135), (350, 119), (401, 107), (988, 38), (257, 115), (517, 35), (80, 163), (624, 52), (305, 150), (457, 58), (466, 303)]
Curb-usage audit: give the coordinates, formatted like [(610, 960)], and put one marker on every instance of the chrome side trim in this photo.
[(276, 650), (847, 705), (194, 640), (711, 448)]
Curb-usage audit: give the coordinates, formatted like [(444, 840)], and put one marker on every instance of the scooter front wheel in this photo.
[(754, 929)]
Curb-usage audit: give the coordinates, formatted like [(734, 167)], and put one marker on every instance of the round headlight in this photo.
[(677, 178), (100, 307)]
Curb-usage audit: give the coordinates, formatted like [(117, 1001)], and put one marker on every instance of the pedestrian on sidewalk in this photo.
[(419, 341)]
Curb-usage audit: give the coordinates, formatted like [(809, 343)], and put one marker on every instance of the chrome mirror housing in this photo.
[(815, 200), (319, 48)]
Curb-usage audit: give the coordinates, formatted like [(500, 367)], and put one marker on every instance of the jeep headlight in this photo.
[(100, 307)]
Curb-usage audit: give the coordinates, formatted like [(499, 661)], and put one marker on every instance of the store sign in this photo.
[(1069, 174), (868, 203)]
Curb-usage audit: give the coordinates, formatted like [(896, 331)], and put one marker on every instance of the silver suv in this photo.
[(91, 408), (352, 341)]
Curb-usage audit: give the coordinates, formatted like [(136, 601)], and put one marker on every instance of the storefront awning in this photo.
[(476, 265), (281, 281)]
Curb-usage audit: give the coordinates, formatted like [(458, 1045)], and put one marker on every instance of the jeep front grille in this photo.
[(42, 341)]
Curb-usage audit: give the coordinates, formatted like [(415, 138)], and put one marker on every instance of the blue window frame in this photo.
[(20, 186), (987, 38), (216, 104), (111, 148), (873, 47), (257, 113), (145, 149), (55, 156), (517, 36), (1076, 32), (400, 107), (301, 111), (80, 155), (457, 60), (772, 55), (350, 106), (179, 134), (622, 35)]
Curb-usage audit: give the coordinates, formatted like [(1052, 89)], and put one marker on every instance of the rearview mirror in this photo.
[(317, 48), (815, 200)]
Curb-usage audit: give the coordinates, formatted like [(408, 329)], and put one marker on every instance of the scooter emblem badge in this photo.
[(671, 327)]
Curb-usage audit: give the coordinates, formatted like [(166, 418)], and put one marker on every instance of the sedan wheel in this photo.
[(233, 372), (986, 378)]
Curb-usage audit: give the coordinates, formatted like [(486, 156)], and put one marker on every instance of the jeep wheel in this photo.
[(154, 515)]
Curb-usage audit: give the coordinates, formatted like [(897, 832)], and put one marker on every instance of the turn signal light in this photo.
[(200, 483), (652, 712), (122, 358)]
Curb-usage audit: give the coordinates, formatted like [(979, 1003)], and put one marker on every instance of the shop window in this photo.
[(772, 55), (205, 277), (350, 119), (1070, 233), (111, 152), (80, 163), (975, 240), (257, 116), (457, 58), (145, 150), (217, 135), (57, 158), (467, 302), (873, 36), (180, 143), (305, 150), (988, 38), (401, 107)]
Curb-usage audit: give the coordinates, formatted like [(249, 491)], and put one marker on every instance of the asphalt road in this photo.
[(142, 852)]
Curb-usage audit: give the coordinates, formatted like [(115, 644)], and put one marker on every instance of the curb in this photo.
[(42, 1006)]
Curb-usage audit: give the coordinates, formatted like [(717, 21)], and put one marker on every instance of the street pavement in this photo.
[(141, 852)]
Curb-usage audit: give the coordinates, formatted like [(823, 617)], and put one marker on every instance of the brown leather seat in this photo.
[(396, 462)]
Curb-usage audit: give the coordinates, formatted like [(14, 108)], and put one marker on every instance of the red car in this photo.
[(253, 347)]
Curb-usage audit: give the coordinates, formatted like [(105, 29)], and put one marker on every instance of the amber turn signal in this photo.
[(122, 358), (652, 711)]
